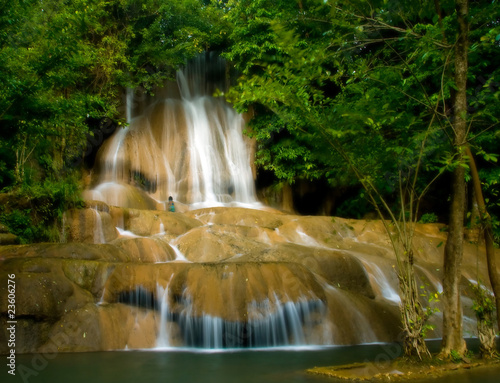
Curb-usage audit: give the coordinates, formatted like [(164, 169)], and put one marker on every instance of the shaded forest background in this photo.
[(343, 94)]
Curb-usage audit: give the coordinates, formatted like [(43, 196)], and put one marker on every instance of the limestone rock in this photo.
[(150, 222), (80, 251), (146, 249), (217, 289), (245, 268), (97, 205), (92, 225), (216, 243), (240, 217), (77, 331), (120, 194)]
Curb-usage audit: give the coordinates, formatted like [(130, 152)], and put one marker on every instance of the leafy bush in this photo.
[(19, 223), (34, 213), (455, 356), (428, 218), (484, 304)]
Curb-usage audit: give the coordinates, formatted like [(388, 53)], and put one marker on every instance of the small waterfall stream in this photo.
[(381, 282), (98, 229)]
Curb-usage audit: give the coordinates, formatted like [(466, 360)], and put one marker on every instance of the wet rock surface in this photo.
[(176, 279)]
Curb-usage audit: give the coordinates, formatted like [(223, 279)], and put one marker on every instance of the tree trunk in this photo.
[(475, 218), (488, 234), (452, 310), (453, 253)]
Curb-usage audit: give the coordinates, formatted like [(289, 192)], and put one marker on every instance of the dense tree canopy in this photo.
[(377, 77)]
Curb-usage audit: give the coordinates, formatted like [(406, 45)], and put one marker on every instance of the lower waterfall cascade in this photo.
[(228, 277), (220, 277)]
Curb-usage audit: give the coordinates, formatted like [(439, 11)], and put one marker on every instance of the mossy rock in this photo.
[(8, 239), (3, 229)]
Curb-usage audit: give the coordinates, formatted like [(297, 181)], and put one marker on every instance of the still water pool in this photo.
[(248, 366)]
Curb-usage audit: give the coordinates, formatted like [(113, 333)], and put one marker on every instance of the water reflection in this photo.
[(249, 366)]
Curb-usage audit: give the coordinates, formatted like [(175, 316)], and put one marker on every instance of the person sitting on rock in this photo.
[(171, 206)]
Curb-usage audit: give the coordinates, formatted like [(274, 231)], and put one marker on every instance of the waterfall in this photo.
[(162, 228), (353, 321), (269, 323), (98, 228), (163, 339), (380, 282), (184, 143), (276, 321)]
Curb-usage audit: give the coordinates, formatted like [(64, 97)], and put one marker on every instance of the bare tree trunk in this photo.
[(488, 234), (452, 310)]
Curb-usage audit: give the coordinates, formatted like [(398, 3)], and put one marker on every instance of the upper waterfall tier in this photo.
[(189, 146)]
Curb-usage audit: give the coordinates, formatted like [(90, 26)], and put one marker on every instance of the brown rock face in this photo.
[(220, 277), (149, 250), (89, 225), (8, 239), (150, 222)]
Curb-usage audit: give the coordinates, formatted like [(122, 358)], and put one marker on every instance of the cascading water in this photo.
[(214, 306), (380, 280), (98, 231), (223, 277), (217, 277), (268, 324), (188, 146)]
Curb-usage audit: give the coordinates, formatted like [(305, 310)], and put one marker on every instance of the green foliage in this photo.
[(430, 309), (355, 207), (490, 178), (374, 80), (324, 93), (342, 85), (35, 213), (428, 218), (484, 307), (64, 64), (19, 223), (484, 303), (456, 357)]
